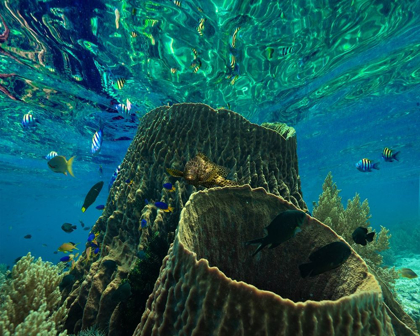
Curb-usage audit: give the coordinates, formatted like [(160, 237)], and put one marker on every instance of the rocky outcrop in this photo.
[(167, 138), (210, 285)]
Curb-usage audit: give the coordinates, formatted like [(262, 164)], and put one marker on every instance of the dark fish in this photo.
[(65, 258), (96, 251), (100, 207), (389, 156), (67, 227), (92, 194), (285, 226), (200, 171), (17, 259), (361, 235), (67, 281), (28, 236), (407, 273), (366, 165), (81, 223), (143, 223), (55, 252), (141, 254), (110, 264), (123, 292), (100, 170), (87, 228), (325, 259), (91, 237)]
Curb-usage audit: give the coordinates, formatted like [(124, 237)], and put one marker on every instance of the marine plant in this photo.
[(31, 300), (344, 221)]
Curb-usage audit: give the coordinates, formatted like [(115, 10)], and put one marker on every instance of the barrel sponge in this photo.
[(210, 285)]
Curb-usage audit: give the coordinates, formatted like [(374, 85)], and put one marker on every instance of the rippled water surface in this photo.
[(344, 73)]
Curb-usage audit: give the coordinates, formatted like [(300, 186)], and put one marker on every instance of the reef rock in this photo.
[(168, 137), (210, 285)]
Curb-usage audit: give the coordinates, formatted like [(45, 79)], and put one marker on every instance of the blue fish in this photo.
[(129, 181), (92, 244), (91, 237), (29, 120), (65, 259), (169, 186), (366, 165), (114, 177), (100, 207), (146, 201), (97, 141), (389, 156), (51, 155), (163, 206), (96, 250), (143, 223)]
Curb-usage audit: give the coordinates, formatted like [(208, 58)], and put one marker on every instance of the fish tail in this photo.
[(306, 269), (175, 172), (70, 166), (170, 209), (83, 209), (369, 236), (376, 166), (395, 156), (262, 245), (173, 189)]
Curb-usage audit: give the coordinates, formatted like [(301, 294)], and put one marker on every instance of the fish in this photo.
[(101, 171), (88, 252), (67, 247), (87, 228), (117, 18), (200, 171), (28, 236), (169, 186), (92, 237), (17, 259), (55, 252), (129, 181), (389, 155), (269, 53), (29, 120), (50, 155), (361, 236), (196, 64), (96, 250), (81, 223), (91, 195), (163, 206), (114, 177), (44, 245), (67, 227), (59, 164), (407, 273), (325, 259), (233, 81), (68, 280), (174, 70), (134, 34), (143, 223), (366, 165), (233, 40), (100, 207), (283, 227), (177, 3), (67, 258), (232, 61), (200, 27), (119, 83), (124, 109), (286, 50), (97, 140)]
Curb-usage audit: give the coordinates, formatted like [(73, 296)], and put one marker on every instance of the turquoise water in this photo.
[(345, 75)]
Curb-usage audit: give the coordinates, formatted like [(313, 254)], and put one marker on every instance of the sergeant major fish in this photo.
[(366, 165), (389, 155), (200, 171), (29, 120), (97, 140), (50, 155)]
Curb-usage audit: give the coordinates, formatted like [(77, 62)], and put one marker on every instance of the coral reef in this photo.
[(330, 211), (31, 300), (210, 285), (168, 137)]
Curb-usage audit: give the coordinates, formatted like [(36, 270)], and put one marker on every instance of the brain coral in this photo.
[(167, 138), (209, 284)]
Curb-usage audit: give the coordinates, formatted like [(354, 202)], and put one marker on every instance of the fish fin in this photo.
[(376, 165), (369, 236), (259, 248), (395, 156), (306, 269), (363, 242), (83, 209), (274, 245), (170, 209), (226, 183), (202, 156), (70, 165), (255, 241), (175, 172)]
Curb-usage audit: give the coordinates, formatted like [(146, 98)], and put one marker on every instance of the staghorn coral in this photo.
[(32, 300), (210, 285), (330, 211), (168, 137)]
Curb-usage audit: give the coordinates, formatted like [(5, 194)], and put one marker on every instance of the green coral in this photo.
[(331, 212), (31, 300)]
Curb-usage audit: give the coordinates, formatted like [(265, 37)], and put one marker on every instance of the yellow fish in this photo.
[(134, 34), (407, 273), (119, 84), (88, 251), (200, 27), (67, 247), (233, 41), (117, 18), (177, 3), (59, 164)]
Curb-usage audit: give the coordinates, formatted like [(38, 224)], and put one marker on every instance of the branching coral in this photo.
[(31, 304)]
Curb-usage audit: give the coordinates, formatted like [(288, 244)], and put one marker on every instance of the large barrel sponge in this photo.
[(210, 285)]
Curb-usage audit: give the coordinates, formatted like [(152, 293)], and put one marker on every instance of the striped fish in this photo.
[(177, 3), (29, 120), (200, 27), (232, 61), (233, 40), (389, 156), (97, 141), (51, 155), (366, 165), (114, 177), (119, 84), (286, 50)]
